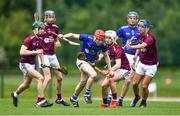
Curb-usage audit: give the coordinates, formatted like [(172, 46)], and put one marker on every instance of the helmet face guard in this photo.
[(49, 13), (110, 34), (145, 23), (133, 14), (100, 34), (38, 24), (49, 17), (132, 18)]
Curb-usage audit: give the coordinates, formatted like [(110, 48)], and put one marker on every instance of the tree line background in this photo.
[(85, 16)]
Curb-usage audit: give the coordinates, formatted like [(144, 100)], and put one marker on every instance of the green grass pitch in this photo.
[(28, 98), (26, 107)]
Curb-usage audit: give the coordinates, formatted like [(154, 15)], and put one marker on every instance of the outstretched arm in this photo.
[(139, 46), (117, 65), (24, 51), (136, 55), (57, 43), (72, 35), (107, 59)]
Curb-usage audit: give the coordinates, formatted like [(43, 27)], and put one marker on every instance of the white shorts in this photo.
[(123, 73), (25, 67), (149, 70), (51, 60), (79, 63), (131, 61)]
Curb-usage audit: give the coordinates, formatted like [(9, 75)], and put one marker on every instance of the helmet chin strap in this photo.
[(35, 31), (111, 43), (146, 30)]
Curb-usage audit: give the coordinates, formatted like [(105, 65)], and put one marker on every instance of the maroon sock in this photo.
[(59, 96), (39, 99), (114, 95), (104, 100), (143, 101), (137, 96)]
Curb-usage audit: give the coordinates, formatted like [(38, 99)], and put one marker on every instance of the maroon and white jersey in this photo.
[(49, 39), (116, 52), (149, 53), (32, 43)]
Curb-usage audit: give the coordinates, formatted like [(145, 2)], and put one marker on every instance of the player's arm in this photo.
[(117, 65), (57, 43), (108, 62), (138, 46), (136, 54), (100, 57), (71, 35), (41, 56), (24, 51), (107, 59)]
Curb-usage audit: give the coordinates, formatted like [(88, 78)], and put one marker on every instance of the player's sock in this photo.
[(74, 97), (137, 96), (39, 99), (143, 101), (114, 96), (120, 101), (87, 93), (109, 97), (105, 101), (15, 94), (120, 98), (59, 96)]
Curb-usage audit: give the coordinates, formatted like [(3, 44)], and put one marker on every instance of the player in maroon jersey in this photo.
[(120, 66), (32, 46), (50, 41), (147, 66)]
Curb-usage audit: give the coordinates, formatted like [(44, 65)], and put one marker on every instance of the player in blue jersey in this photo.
[(92, 45), (129, 34)]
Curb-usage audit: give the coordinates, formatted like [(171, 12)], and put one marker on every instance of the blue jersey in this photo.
[(90, 48), (126, 32)]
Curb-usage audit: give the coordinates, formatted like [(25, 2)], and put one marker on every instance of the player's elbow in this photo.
[(57, 45), (22, 52)]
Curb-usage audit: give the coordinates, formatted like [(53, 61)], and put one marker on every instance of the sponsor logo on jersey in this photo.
[(86, 50), (48, 40)]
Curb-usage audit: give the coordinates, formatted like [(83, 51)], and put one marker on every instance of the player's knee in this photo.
[(59, 79), (145, 86), (135, 84), (93, 75), (83, 83), (128, 81), (47, 78), (40, 79)]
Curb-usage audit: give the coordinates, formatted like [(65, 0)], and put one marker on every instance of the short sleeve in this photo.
[(119, 32), (26, 42), (149, 40), (84, 37), (104, 47)]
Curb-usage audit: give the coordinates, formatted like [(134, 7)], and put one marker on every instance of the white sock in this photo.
[(15, 94)]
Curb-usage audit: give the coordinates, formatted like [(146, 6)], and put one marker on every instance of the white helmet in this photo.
[(111, 34)]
